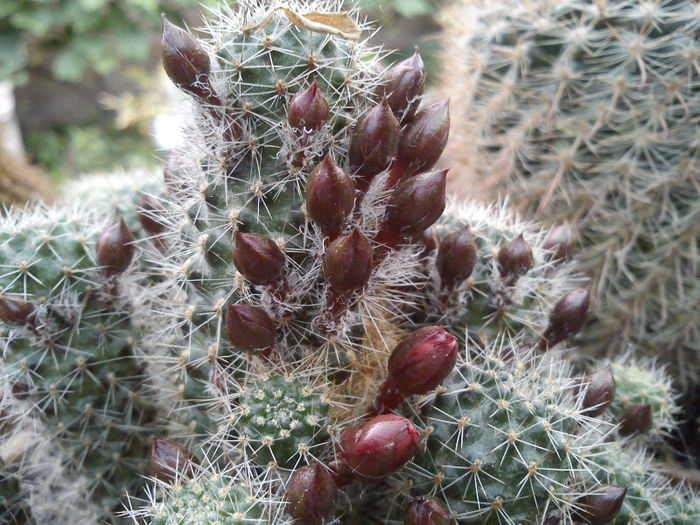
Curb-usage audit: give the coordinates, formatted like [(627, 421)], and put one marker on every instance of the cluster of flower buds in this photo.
[(115, 248)]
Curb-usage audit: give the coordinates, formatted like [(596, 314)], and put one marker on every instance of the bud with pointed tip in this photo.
[(561, 242), (567, 317), (249, 327), (428, 239), (375, 140), (185, 60), (347, 263), (418, 202), (329, 195), (637, 419), (115, 248), (403, 86), (149, 208), (311, 495), (602, 506), (424, 139), (170, 461), (456, 256), (427, 510), (308, 109), (15, 311), (257, 258), (515, 259), (600, 391), (379, 447)]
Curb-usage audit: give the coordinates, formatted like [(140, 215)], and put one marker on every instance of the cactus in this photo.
[(587, 112)]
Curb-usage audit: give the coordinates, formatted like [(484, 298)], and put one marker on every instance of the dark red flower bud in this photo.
[(329, 195), (375, 140), (421, 361), (115, 247), (424, 139), (308, 109), (149, 211), (428, 239), (15, 311), (249, 327), (427, 510), (456, 257), (20, 390), (311, 495), (561, 241), (258, 258), (417, 202), (600, 508), (379, 447), (403, 86), (637, 419), (340, 472), (600, 391), (515, 258), (347, 263), (185, 60), (567, 317), (170, 461)]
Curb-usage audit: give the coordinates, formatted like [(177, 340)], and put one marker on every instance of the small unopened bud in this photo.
[(308, 108), (15, 311), (311, 495), (456, 256), (115, 247), (375, 140), (149, 208), (600, 391), (567, 317), (561, 242), (170, 461), (602, 506), (249, 327), (417, 202), (429, 240), (515, 258), (329, 195), (257, 258), (427, 510), (403, 86), (424, 139), (347, 263), (20, 390), (185, 60), (379, 447), (637, 419)]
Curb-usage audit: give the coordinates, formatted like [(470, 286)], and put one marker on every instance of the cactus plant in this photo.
[(587, 112)]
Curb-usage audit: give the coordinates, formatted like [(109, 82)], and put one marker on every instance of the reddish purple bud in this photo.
[(249, 327), (424, 139), (375, 140), (379, 447), (340, 472), (115, 247), (600, 391), (417, 202), (456, 257), (403, 86), (185, 60), (561, 242), (258, 258), (567, 317), (421, 361), (170, 461), (149, 209), (15, 311), (637, 419), (329, 195), (20, 390), (308, 109), (311, 495), (427, 510), (347, 263), (600, 508), (515, 258), (428, 239)]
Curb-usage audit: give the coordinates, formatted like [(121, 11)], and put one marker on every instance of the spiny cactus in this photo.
[(70, 408), (588, 112)]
